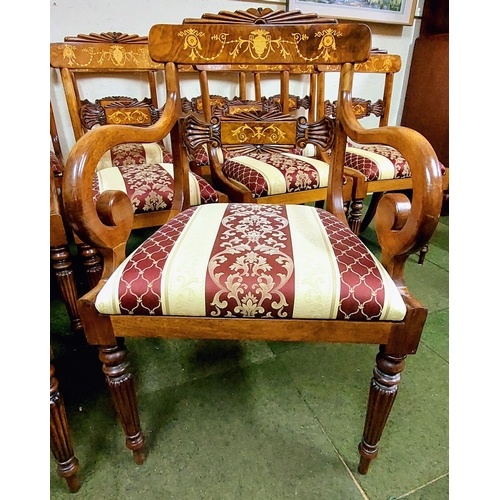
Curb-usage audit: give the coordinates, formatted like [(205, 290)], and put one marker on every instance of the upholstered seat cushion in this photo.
[(150, 186), (145, 172), (267, 174), (134, 153), (378, 162), (253, 260)]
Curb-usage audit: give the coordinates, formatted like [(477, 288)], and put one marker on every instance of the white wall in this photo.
[(72, 17)]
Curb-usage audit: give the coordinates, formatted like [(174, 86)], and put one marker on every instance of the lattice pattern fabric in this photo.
[(134, 154), (150, 187), (264, 261), (266, 174), (200, 156), (378, 162)]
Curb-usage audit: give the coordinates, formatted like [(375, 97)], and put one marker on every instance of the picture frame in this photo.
[(352, 10)]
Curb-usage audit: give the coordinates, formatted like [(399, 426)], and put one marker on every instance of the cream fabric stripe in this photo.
[(394, 308), (385, 166), (107, 300), (275, 181), (194, 187), (153, 152), (111, 178), (105, 161), (183, 279), (317, 278), (322, 167)]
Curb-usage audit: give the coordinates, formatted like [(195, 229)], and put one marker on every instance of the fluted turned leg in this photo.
[(91, 261), (121, 386), (383, 389), (355, 215), (60, 443), (63, 267)]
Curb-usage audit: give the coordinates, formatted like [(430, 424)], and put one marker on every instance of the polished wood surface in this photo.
[(402, 227), (60, 439)]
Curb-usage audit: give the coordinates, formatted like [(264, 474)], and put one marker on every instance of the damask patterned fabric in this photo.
[(150, 186), (253, 260), (134, 154), (378, 162), (266, 174)]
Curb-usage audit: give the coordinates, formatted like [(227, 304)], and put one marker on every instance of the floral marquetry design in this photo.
[(247, 133), (104, 55), (259, 44)]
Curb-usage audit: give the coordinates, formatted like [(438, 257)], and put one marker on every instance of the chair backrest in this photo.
[(256, 69), (378, 63), (100, 54)]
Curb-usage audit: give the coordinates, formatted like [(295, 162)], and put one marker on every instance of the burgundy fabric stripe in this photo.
[(250, 270), (362, 292), (140, 283), (298, 174)]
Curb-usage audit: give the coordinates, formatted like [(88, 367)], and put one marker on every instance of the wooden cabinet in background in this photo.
[(426, 106)]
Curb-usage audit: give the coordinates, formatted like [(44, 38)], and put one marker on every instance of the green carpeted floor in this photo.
[(257, 420)]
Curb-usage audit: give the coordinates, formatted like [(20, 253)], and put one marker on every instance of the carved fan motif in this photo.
[(262, 16), (109, 37)]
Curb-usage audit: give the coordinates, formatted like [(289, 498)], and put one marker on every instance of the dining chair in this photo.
[(248, 271)]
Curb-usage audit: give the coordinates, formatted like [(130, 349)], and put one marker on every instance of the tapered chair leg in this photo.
[(121, 386), (60, 443), (63, 267), (383, 390)]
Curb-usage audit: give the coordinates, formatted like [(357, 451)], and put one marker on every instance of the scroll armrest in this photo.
[(401, 227), (107, 224)]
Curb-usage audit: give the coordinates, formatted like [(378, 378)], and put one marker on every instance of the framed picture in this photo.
[(375, 11)]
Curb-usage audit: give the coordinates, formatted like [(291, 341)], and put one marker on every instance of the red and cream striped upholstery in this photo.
[(378, 162), (266, 261), (267, 174), (146, 173), (134, 154)]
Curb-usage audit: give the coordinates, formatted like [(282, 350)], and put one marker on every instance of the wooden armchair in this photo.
[(375, 168), (209, 104), (259, 158), (256, 156), (250, 271), (142, 170)]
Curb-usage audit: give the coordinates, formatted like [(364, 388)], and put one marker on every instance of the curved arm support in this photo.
[(108, 227), (401, 229)]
